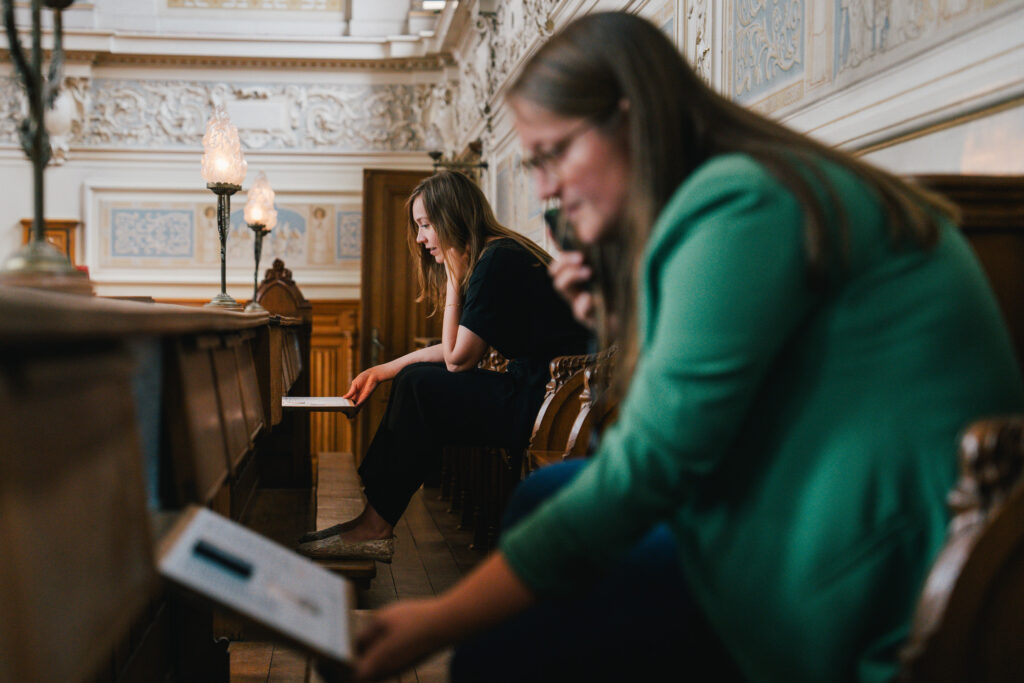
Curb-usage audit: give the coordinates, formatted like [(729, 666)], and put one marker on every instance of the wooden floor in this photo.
[(431, 554)]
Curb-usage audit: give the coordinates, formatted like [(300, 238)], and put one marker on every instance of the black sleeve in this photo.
[(490, 305)]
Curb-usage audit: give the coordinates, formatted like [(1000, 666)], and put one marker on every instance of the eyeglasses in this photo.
[(547, 160)]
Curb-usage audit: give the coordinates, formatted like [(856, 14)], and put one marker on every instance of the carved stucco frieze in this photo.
[(490, 57), (134, 113), (12, 109)]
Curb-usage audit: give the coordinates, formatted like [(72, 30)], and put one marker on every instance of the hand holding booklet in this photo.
[(239, 569)]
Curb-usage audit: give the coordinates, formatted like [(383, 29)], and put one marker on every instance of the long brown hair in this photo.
[(676, 123), (462, 217)]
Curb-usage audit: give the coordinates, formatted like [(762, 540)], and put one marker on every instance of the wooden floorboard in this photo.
[(431, 555)]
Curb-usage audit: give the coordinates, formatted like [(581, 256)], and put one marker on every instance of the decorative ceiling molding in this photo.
[(262, 5), (435, 62)]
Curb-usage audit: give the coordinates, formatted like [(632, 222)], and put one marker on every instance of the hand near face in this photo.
[(570, 276), (456, 263)]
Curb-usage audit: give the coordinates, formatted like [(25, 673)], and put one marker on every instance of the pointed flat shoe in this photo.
[(321, 534), (333, 548)]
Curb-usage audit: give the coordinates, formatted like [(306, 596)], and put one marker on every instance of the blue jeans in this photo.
[(637, 622)]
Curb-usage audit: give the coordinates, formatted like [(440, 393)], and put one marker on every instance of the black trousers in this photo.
[(430, 408)]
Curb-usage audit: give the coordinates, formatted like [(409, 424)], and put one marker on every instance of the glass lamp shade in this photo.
[(223, 161), (59, 118), (259, 208)]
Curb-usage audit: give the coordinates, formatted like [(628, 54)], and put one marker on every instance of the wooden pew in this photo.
[(969, 621), (558, 412), (479, 480), (575, 408), (113, 412), (289, 462)]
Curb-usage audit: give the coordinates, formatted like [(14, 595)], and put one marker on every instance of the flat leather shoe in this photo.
[(333, 548)]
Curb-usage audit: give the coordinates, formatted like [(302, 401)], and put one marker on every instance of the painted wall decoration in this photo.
[(174, 238), (768, 45), (786, 53)]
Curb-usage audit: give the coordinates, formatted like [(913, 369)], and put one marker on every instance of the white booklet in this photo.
[(238, 568), (332, 404)]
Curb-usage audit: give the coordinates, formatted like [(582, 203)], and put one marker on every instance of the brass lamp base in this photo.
[(40, 265), (224, 301), (254, 307), (38, 256)]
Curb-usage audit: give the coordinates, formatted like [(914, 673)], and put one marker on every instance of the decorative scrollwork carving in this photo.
[(135, 113)]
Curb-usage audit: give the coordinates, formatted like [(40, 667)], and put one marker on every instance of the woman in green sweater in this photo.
[(803, 336)]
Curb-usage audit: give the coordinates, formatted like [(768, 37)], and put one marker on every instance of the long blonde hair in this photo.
[(463, 219), (676, 123)]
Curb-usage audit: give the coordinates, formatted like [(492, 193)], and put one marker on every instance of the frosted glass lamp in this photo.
[(261, 217), (223, 169)]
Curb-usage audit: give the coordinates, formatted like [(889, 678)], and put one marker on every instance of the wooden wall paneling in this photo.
[(324, 429), (193, 429), (77, 567), (332, 367), (60, 232)]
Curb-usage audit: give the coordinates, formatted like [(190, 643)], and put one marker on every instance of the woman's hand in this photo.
[(397, 637), (364, 384), (455, 265), (570, 276)]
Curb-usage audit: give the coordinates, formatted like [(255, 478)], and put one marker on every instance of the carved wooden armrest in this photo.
[(968, 618), (564, 367), (493, 360), (991, 460)]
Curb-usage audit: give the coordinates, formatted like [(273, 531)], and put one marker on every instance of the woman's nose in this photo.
[(420, 237), (546, 183)]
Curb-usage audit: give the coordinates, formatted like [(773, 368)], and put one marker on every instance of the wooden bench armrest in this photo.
[(968, 624)]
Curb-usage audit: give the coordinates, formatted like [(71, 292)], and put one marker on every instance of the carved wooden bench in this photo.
[(573, 410), (969, 621)]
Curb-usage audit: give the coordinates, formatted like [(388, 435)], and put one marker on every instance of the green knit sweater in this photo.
[(799, 443)]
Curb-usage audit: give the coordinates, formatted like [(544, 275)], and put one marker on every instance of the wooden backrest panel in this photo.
[(279, 294), (229, 397), (194, 432), (75, 549), (992, 218), (252, 401)]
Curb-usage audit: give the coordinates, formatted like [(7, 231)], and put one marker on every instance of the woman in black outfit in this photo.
[(493, 287)]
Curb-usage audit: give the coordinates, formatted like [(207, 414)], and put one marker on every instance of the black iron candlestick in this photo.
[(223, 192), (260, 231)]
